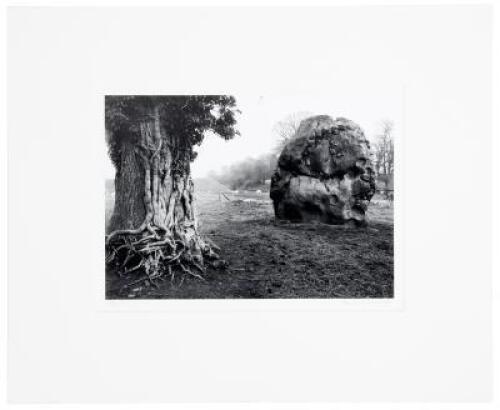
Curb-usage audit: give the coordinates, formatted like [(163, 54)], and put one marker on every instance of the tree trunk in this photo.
[(153, 228), (129, 211)]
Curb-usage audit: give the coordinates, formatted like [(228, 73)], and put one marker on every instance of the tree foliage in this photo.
[(184, 120)]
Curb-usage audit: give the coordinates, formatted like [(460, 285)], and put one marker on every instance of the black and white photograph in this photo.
[(308, 215), (239, 205)]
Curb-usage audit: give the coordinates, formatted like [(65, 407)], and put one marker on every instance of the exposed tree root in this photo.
[(160, 251), (155, 259)]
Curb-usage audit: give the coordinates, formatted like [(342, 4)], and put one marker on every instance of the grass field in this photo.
[(271, 259)]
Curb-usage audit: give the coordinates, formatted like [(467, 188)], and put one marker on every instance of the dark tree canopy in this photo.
[(184, 120)]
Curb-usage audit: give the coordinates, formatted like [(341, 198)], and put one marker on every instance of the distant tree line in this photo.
[(384, 150), (252, 173), (384, 158)]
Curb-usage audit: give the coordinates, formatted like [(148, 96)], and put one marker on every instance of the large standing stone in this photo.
[(324, 173)]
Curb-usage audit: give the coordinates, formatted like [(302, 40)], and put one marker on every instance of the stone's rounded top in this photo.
[(326, 147), (310, 125), (313, 125)]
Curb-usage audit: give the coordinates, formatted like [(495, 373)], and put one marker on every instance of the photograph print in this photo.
[(230, 197)]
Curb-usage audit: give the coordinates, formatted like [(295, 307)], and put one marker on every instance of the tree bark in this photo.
[(129, 211)]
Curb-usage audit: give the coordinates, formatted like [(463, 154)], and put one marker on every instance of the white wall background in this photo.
[(62, 347)]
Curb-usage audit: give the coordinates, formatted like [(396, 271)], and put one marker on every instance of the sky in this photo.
[(260, 113)]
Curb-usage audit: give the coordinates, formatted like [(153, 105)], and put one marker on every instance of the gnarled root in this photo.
[(159, 254)]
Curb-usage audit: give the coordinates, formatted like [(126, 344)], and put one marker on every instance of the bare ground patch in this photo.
[(271, 259)]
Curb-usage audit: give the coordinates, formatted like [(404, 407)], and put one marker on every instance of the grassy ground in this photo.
[(270, 259)]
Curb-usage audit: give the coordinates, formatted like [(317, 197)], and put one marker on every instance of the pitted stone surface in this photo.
[(324, 173)]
